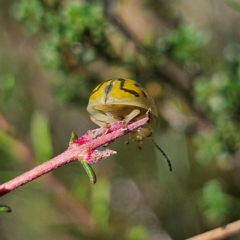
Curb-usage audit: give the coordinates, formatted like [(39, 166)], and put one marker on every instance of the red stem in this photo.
[(71, 154)]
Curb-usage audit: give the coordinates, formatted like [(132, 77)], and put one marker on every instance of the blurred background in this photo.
[(185, 53)]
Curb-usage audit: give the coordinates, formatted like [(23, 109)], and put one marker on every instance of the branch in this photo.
[(82, 149), (219, 233)]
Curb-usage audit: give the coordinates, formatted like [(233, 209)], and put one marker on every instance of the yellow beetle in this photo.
[(122, 99)]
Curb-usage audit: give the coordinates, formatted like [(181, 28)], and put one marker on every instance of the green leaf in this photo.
[(90, 172), (73, 137), (5, 208), (41, 136)]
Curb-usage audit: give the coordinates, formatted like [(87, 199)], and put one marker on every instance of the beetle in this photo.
[(123, 99)]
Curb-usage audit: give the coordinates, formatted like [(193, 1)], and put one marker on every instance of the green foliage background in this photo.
[(53, 53)]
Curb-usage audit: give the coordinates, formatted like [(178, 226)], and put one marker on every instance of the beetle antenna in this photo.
[(165, 155)]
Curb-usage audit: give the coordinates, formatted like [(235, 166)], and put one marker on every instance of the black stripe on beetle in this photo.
[(144, 94), (122, 82), (139, 86), (97, 88)]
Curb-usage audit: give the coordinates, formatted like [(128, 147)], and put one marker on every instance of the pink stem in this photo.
[(71, 154)]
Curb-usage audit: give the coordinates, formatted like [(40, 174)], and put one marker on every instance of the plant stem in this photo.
[(222, 232), (76, 149)]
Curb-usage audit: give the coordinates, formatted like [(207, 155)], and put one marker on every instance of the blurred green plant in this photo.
[(100, 200), (77, 33), (234, 4), (215, 203), (7, 84), (219, 96), (183, 44), (30, 12), (41, 137), (137, 233), (71, 34), (78, 39)]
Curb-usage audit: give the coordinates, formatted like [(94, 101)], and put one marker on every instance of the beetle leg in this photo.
[(99, 123), (130, 116), (140, 145), (102, 124)]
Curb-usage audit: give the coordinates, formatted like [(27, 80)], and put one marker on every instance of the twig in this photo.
[(219, 233), (82, 148)]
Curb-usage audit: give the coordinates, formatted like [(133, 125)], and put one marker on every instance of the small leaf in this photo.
[(91, 174), (5, 208), (73, 137)]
